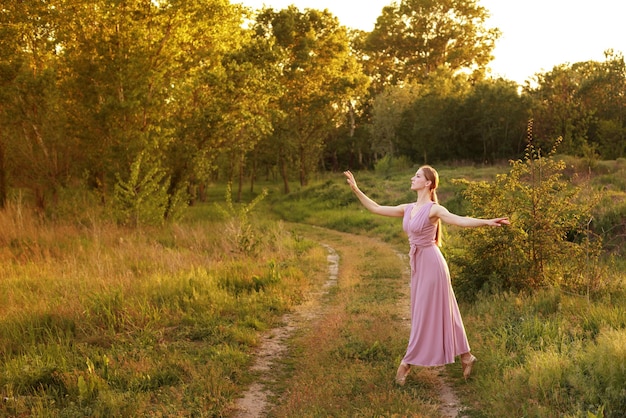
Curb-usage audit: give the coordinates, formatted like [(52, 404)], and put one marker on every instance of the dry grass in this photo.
[(344, 365), (106, 321)]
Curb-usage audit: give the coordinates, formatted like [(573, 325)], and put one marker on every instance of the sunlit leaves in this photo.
[(585, 104), (548, 242), (413, 38), (319, 76)]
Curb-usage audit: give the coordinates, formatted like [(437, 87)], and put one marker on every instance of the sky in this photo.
[(535, 35)]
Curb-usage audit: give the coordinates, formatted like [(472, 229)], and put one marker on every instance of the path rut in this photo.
[(255, 401), (274, 344)]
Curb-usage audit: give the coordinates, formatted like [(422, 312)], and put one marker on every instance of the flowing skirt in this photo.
[(437, 331)]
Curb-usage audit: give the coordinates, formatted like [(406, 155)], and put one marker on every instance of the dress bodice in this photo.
[(420, 230)]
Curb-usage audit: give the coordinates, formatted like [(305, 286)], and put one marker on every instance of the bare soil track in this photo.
[(274, 345), (257, 400)]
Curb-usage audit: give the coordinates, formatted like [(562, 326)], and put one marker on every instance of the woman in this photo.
[(437, 333)]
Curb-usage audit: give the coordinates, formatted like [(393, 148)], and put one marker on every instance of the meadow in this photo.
[(544, 353), (101, 320)]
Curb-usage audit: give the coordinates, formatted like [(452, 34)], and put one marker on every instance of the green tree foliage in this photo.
[(453, 118), (222, 107), (87, 85), (144, 198), (147, 74), (413, 38), (240, 230), (558, 110), (90, 84), (387, 110), (37, 151), (605, 93), (10, 63), (547, 243), (252, 77), (493, 119), (319, 78), (429, 128), (585, 104)]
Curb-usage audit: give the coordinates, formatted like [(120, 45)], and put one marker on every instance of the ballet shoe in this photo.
[(467, 365), (401, 374)]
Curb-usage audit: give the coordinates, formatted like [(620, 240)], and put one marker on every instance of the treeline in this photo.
[(150, 100)]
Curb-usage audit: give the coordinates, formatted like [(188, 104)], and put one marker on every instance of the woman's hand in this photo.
[(350, 179), (499, 222), (395, 211), (439, 212)]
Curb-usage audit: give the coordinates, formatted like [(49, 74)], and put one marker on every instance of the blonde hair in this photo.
[(431, 175)]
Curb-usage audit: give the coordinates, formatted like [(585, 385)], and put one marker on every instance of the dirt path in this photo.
[(450, 404), (274, 345), (256, 400)]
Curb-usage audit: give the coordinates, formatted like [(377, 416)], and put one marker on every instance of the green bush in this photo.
[(548, 242), (388, 165), (240, 231), (144, 198)]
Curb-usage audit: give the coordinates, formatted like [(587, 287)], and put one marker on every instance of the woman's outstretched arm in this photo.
[(438, 211), (395, 211)]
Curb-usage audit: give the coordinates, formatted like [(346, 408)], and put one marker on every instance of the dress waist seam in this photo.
[(416, 246)]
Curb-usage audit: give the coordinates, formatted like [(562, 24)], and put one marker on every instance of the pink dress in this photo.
[(437, 332)]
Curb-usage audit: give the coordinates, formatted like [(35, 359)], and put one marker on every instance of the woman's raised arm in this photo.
[(393, 211)]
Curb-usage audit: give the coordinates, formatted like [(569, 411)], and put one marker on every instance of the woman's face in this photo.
[(418, 181)]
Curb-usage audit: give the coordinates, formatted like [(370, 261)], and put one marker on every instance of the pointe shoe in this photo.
[(401, 374), (467, 365)]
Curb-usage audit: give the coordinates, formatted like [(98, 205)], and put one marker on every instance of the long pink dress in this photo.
[(437, 332)]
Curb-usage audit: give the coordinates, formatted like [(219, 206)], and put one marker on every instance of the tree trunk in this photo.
[(302, 167), (40, 199), (352, 118), (3, 179), (202, 192), (240, 175), (253, 172), (283, 172)]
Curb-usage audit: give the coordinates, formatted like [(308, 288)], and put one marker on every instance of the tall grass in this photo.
[(542, 354), (98, 320), (345, 363), (549, 354)]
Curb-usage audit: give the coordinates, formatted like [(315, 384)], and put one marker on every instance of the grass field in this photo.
[(103, 321), (99, 320)]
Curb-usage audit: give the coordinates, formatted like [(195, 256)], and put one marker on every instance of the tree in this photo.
[(584, 104), (9, 67), (558, 110), (413, 38), (113, 53), (319, 77), (430, 127), (178, 79), (144, 76), (220, 105), (604, 92), (143, 198), (547, 243), (494, 118), (387, 110), (37, 152), (253, 84)]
